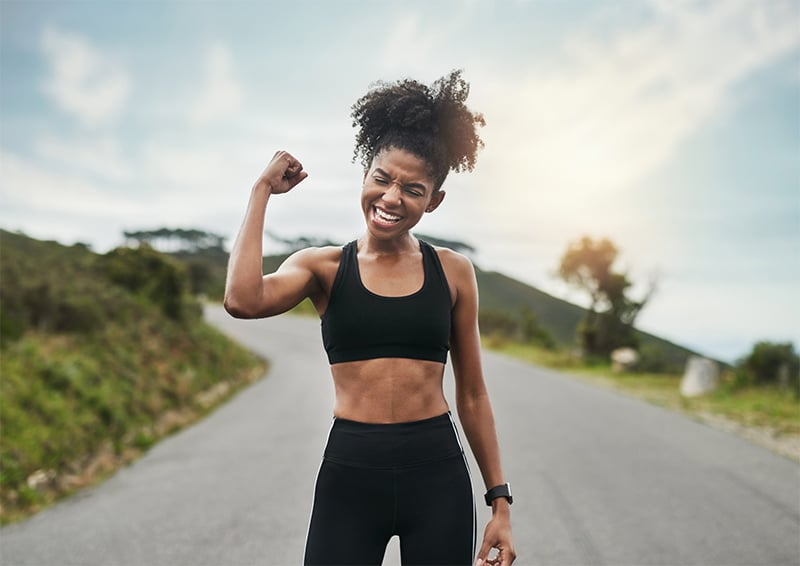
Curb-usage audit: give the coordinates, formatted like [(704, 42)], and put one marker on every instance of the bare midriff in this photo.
[(388, 390)]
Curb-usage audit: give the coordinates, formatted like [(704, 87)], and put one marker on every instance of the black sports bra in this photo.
[(360, 325)]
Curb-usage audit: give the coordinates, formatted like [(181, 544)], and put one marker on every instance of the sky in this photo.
[(671, 127)]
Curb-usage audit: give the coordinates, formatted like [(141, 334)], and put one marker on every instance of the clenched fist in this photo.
[(282, 173)]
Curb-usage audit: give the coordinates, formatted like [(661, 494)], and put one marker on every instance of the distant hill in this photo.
[(501, 293)]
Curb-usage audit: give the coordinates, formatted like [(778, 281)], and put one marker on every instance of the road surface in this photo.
[(598, 478)]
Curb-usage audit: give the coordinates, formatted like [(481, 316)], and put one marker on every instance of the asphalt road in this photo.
[(599, 478)]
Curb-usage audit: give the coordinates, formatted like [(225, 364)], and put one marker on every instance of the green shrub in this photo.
[(771, 363), (497, 324), (523, 327), (46, 287), (653, 359), (152, 275), (532, 332)]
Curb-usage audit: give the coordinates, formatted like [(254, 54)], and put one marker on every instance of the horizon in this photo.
[(669, 127)]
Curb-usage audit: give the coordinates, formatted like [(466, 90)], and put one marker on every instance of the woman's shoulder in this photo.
[(458, 269), (453, 260), (313, 257)]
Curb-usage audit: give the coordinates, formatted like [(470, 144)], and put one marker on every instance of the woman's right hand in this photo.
[(282, 173)]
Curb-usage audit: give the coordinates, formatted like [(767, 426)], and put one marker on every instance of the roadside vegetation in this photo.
[(102, 355), (760, 392), (738, 398)]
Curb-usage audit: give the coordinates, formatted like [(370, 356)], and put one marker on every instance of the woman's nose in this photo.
[(392, 195)]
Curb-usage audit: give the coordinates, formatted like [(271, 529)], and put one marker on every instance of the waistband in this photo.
[(369, 445)]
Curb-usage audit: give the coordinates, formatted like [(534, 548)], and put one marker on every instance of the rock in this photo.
[(701, 376), (623, 359), (40, 478)]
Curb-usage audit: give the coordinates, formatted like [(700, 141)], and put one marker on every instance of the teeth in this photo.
[(386, 216)]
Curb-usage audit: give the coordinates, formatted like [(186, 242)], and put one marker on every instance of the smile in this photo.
[(382, 217)]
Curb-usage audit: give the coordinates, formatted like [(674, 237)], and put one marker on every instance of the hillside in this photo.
[(503, 294), (101, 356)]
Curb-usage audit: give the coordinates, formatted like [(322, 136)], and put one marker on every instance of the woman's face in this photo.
[(398, 190)]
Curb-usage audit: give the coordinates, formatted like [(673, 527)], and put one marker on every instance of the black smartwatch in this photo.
[(499, 491)]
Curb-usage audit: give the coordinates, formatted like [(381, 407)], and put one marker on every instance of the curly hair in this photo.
[(432, 122)]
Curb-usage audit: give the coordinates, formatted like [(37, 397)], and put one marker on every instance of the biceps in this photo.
[(284, 289)]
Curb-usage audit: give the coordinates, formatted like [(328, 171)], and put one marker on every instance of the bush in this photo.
[(51, 288), (497, 324), (151, 275), (532, 332), (524, 328), (771, 363), (652, 359), (200, 274)]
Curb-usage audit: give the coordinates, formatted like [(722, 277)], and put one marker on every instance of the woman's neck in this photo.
[(394, 246)]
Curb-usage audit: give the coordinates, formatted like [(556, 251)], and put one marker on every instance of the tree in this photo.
[(176, 240), (588, 264), (300, 242)]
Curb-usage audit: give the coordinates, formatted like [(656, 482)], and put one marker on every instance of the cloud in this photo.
[(100, 156), (406, 42), (222, 95), (46, 202), (610, 112), (28, 184), (209, 181), (83, 81), (186, 169), (570, 143), (420, 46), (48, 199)]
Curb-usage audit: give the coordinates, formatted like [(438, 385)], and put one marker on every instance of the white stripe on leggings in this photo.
[(472, 488)]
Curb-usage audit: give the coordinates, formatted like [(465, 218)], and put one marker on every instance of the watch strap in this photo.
[(503, 490)]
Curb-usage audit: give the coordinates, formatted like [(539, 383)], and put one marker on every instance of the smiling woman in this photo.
[(392, 307)]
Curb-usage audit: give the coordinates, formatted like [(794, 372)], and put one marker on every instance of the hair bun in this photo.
[(430, 121)]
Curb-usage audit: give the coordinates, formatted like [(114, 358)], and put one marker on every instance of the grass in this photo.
[(100, 357), (768, 407), (77, 407)]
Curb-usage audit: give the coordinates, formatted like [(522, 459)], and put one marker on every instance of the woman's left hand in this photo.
[(497, 535)]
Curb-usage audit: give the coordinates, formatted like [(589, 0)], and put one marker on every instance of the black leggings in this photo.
[(380, 480)]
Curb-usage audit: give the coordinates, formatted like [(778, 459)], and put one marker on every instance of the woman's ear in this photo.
[(436, 200)]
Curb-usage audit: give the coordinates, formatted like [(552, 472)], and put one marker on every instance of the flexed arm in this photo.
[(248, 293)]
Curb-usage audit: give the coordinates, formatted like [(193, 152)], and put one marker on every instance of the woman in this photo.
[(392, 307)]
